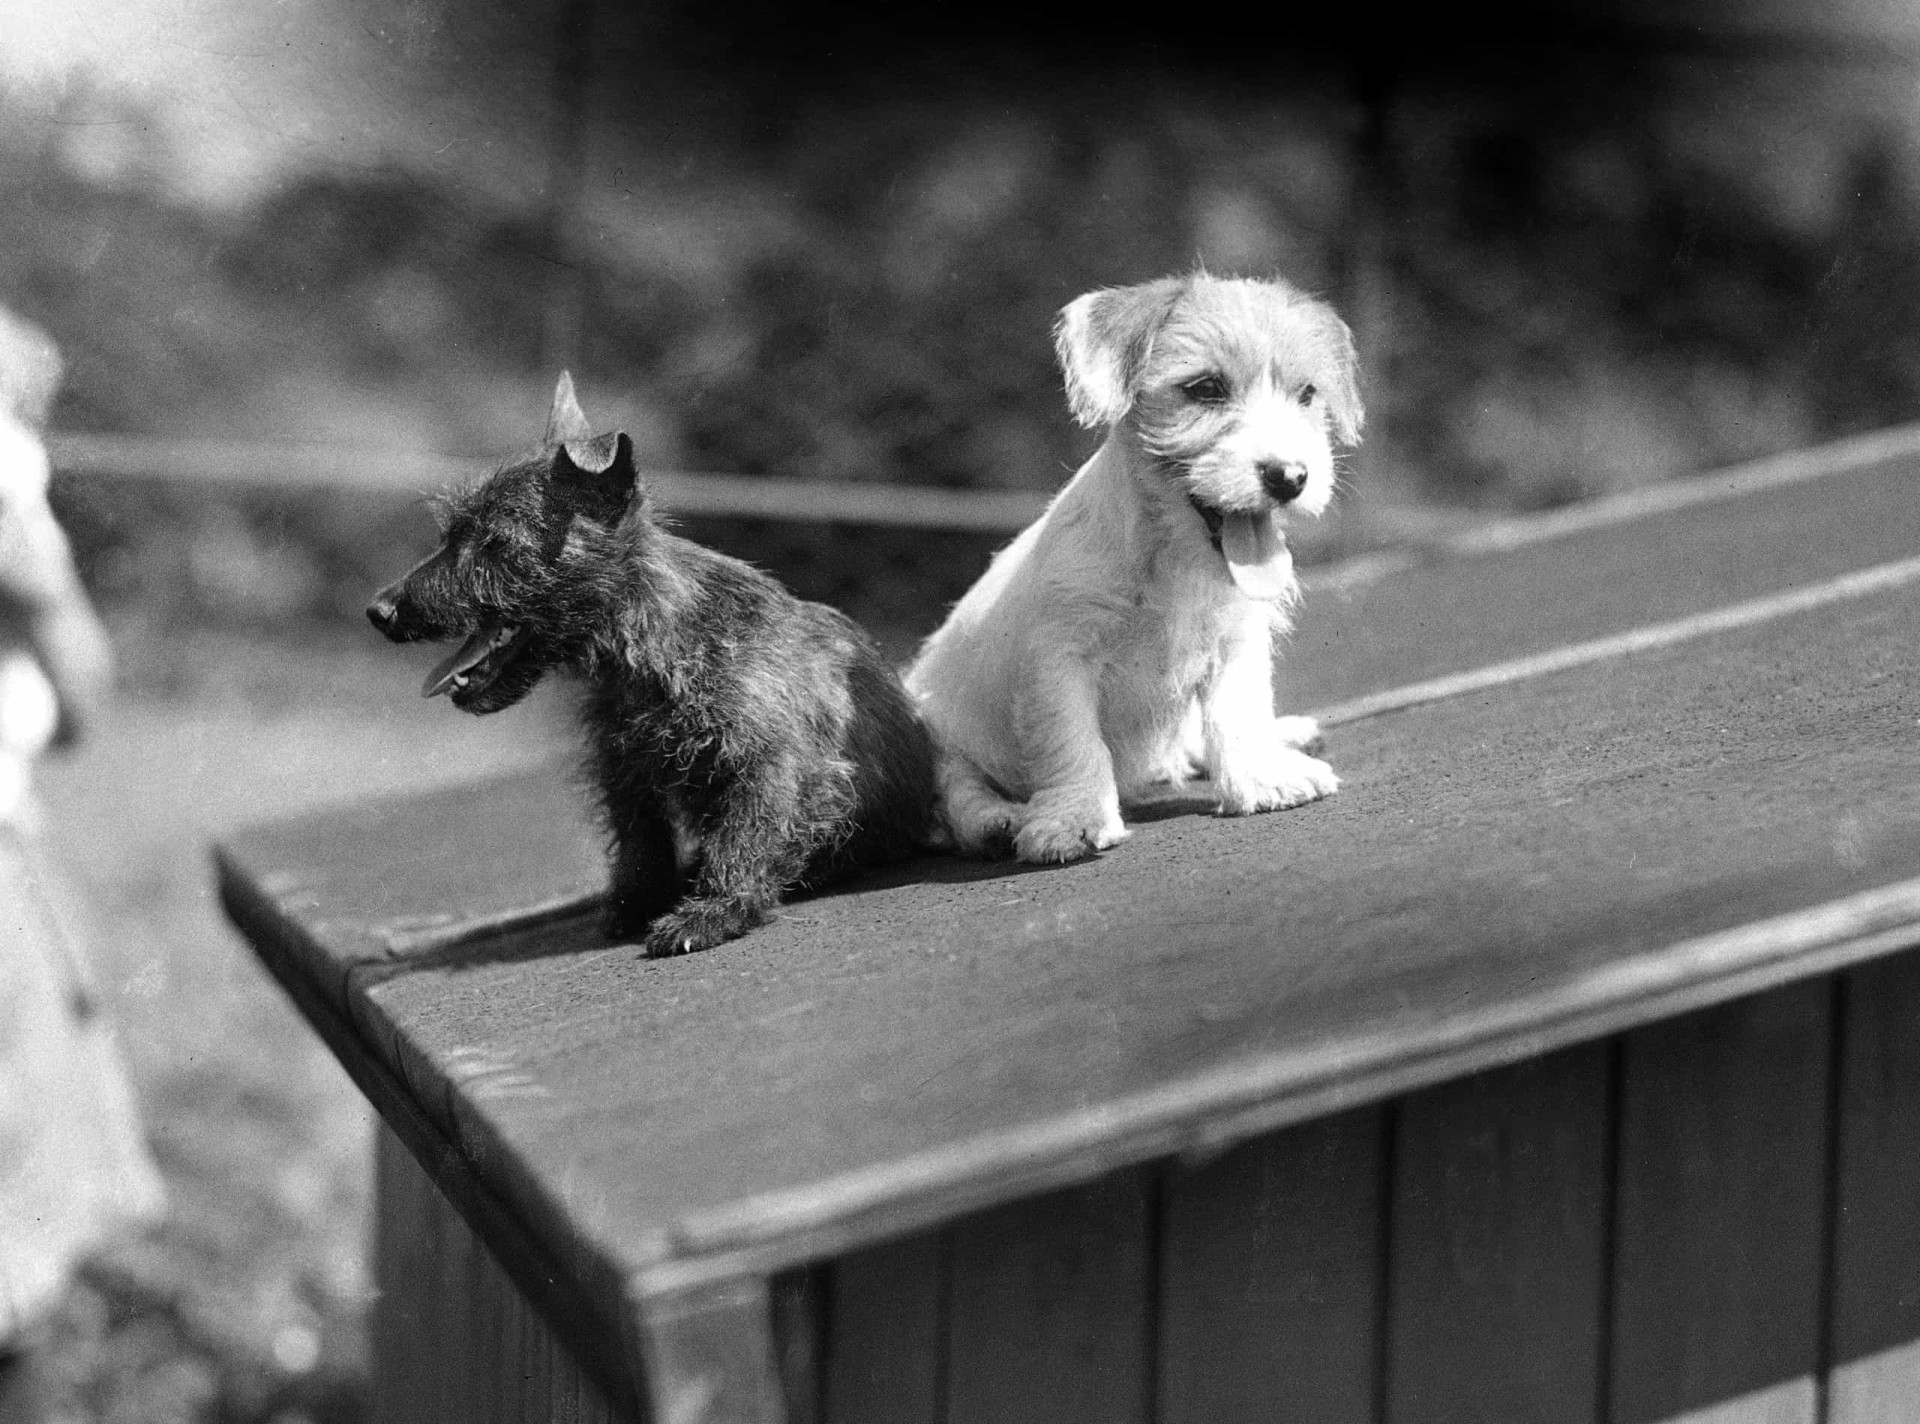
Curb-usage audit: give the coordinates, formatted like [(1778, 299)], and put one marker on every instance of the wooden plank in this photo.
[(502, 1319), (1049, 1321), (1270, 1279), (1721, 1197), (595, 1336), (1542, 582), (467, 873), (406, 1304), (949, 1035), (952, 1034), (1874, 1352), (1496, 1279), (799, 1301), (1636, 642), (518, 1397), (887, 1333), (708, 1353), (454, 1341)]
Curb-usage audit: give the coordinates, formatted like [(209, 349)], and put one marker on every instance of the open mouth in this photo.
[(477, 665), (1254, 544), (1213, 518)]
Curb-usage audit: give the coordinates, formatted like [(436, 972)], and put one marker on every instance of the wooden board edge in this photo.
[(1207, 1113), (708, 1353), (596, 1335)]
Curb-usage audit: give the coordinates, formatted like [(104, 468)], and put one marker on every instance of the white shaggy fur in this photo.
[(1126, 637)]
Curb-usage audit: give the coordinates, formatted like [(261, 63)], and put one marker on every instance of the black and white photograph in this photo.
[(821, 713)]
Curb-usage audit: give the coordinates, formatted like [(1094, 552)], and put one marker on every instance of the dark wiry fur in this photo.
[(765, 728)]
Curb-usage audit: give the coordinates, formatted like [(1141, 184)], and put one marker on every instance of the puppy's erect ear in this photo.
[(1103, 339), (596, 476), (566, 421)]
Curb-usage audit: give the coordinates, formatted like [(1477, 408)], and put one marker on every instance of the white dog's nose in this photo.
[(1283, 479)]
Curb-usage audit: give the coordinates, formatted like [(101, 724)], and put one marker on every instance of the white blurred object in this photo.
[(55, 660), (29, 714), (29, 711), (74, 1165), (34, 571)]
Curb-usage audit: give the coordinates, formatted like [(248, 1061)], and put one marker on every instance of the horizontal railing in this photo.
[(294, 466)]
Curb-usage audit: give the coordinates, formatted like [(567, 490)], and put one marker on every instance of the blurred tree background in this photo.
[(1586, 247)]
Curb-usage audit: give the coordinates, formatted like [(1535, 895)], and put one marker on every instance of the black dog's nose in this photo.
[(382, 613), (1283, 479)]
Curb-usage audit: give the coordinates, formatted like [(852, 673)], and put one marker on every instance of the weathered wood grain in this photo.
[(708, 1353), (1503, 874), (1050, 1322), (799, 1301), (454, 1341), (1452, 614), (1874, 1348), (887, 1333), (406, 1302), (1721, 1207), (1496, 1280), (1269, 1279)]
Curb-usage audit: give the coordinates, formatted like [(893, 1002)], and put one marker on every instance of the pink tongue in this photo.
[(1257, 556), (471, 652)]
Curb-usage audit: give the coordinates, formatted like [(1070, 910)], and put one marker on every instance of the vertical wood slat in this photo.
[(799, 1309), (1049, 1319), (1721, 1180), (1269, 1279), (885, 1337), (1497, 1276), (406, 1300), (454, 1340), (468, 1381), (1721, 1193), (490, 1310), (709, 1352), (1874, 1348)]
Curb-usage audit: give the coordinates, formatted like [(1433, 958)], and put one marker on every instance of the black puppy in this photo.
[(744, 742)]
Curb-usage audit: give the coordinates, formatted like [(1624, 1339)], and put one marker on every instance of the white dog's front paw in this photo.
[(1053, 835), (1281, 779)]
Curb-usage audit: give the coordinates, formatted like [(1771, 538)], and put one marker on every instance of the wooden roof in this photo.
[(1599, 768)]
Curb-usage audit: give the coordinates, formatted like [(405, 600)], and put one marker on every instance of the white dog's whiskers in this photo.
[(1126, 638)]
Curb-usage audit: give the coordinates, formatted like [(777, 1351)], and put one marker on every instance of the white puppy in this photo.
[(1126, 638)]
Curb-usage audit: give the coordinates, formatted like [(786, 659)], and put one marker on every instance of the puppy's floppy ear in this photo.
[(1103, 339), (566, 421), (1340, 377), (595, 476)]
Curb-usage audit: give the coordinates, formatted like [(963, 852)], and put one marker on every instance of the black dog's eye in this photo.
[(1207, 390), (1308, 394)]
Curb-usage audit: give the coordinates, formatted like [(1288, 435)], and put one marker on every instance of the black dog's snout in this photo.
[(1283, 479), (384, 614)]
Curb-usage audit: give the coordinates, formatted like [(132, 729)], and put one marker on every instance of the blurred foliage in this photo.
[(1585, 273), (1584, 284)]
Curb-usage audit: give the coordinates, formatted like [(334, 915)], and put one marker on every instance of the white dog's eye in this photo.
[(1308, 393), (1208, 390)]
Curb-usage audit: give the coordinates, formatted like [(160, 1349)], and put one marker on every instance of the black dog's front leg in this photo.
[(646, 880), (754, 849)]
